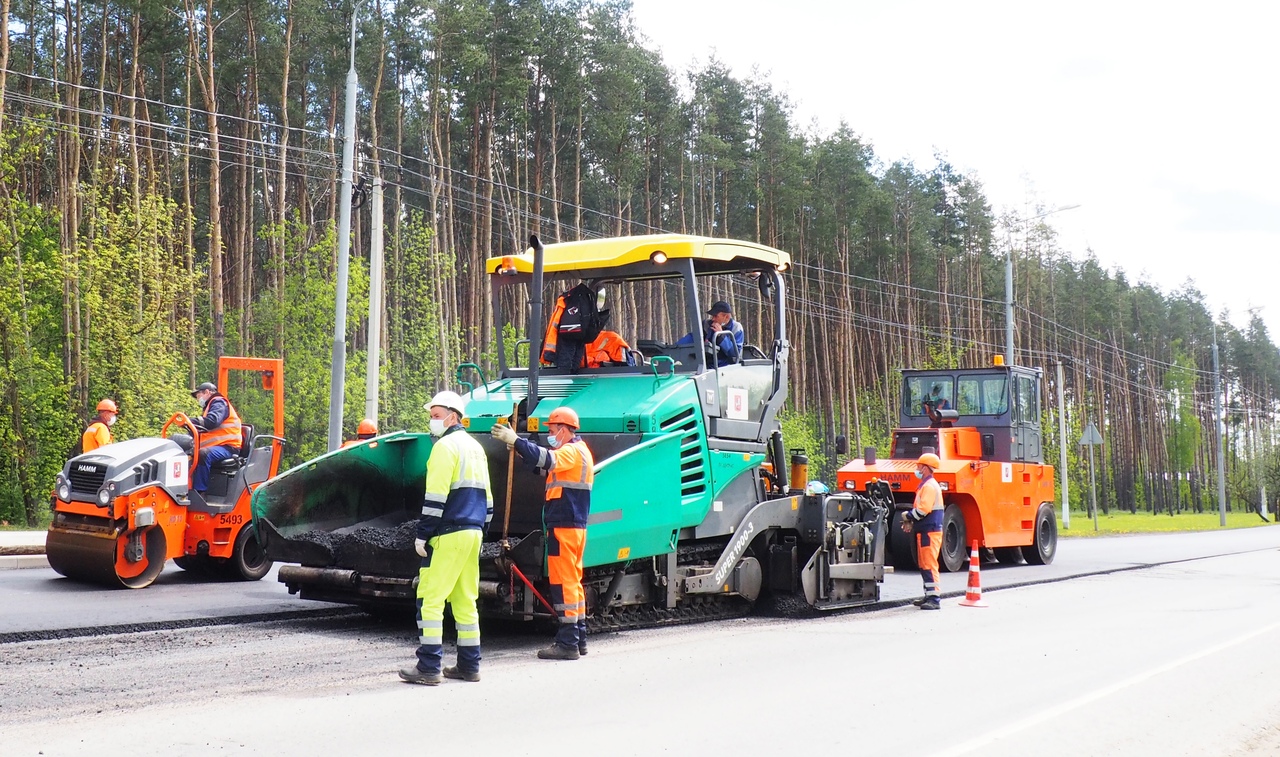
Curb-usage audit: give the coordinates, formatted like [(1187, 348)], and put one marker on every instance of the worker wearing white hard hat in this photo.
[(456, 508)]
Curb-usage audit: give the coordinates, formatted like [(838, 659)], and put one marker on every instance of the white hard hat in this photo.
[(450, 401)]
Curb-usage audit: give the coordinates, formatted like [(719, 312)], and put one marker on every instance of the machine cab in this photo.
[(1002, 403), (656, 291)]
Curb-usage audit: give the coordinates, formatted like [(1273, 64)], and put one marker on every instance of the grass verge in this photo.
[(1146, 523)]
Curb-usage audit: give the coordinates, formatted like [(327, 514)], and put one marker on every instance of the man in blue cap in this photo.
[(722, 332)]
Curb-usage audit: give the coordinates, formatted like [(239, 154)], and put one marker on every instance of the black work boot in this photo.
[(459, 675), (557, 652), (582, 638), (931, 603), (414, 675)]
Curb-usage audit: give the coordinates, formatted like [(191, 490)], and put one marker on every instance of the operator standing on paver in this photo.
[(456, 509), (570, 472), (924, 520)]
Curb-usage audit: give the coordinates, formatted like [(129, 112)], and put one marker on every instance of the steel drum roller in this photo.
[(102, 558)]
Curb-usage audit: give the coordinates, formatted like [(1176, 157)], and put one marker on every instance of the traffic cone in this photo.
[(973, 594)]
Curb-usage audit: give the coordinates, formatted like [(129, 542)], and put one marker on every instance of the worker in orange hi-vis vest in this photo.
[(366, 430), (99, 432), (924, 520), (570, 471), (220, 431)]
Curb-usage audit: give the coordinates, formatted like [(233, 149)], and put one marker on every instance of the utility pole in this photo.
[(1008, 282), (1008, 303), (375, 306), (1217, 424), (1062, 452), (337, 384)]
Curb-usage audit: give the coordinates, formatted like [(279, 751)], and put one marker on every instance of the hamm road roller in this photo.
[(984, 425), (693, 515), (122, 511)]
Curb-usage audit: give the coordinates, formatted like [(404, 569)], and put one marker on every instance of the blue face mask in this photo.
[(919, 474), (553, 442)]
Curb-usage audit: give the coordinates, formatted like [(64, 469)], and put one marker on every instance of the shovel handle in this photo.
[(511, 472)]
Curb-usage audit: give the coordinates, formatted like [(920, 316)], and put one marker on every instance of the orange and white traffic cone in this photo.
[(973, 594)]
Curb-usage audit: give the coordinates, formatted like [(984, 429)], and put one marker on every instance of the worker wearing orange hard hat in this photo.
[(570, 471), (366, 430), (99, 432), (924, 521)]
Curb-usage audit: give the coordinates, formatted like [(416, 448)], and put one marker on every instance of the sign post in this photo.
[(1091, 438)]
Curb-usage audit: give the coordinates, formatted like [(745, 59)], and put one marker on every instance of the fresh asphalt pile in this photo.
[(371, 549)]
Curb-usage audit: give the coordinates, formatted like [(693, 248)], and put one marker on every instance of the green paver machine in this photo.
[(692, 516)]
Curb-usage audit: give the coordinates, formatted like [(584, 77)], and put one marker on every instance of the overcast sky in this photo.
[(1158, 119)]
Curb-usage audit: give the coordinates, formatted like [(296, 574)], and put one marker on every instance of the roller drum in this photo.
[(101, 558)]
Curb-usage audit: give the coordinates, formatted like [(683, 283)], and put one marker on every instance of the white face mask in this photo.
[(204, 401), (436, 427), (111, 421)]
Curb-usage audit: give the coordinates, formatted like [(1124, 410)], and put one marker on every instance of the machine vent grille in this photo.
[(87, 478), (632, 426), (548, 387), (146, 472), (693, 474)]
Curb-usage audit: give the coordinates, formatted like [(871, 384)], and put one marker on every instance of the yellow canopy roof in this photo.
[(613, 252)]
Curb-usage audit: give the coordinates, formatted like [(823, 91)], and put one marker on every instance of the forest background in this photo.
[(169, 176)]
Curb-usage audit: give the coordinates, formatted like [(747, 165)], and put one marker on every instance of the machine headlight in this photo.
[(64, 491), (105, 494)]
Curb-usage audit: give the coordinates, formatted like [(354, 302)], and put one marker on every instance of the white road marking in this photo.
[(1106, 691)]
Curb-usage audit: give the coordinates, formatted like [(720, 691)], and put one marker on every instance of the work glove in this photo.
[(420, 546), (504, 433)]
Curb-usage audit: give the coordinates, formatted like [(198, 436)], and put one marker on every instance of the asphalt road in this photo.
[(39, 601), (1179, 658)]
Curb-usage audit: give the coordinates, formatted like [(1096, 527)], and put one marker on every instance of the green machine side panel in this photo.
[(635, 508)]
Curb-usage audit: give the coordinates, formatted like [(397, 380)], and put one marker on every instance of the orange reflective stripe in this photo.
[(225, 435), (571, 470)]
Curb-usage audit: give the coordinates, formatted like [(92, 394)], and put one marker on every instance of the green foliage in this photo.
[(305, 314), (804, 431)]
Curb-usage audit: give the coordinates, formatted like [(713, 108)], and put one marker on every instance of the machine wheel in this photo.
[(1046, 543), (1009, 555), (92, 558), (955, 552), (248, 561), (902, 546)]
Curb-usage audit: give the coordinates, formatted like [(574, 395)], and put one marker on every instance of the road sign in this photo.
[(1090, 436)]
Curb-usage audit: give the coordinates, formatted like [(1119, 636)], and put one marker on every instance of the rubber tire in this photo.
[(248, 561), (1045, 547), (902, 546), (1009, 555), (955, 549)]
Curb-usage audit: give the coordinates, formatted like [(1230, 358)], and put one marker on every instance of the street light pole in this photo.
[(337, 386), (1008, 282)]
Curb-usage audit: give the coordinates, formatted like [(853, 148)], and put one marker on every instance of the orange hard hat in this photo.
[(566, 416), (930, 460), (367, 427), (108, 406)]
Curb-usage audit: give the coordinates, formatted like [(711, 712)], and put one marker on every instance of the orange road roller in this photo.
[(125, 509)]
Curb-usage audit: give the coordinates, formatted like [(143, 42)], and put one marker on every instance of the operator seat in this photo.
[(238, 460)]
